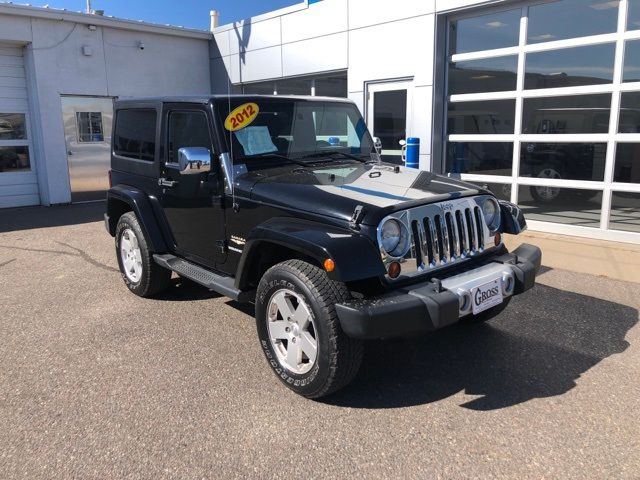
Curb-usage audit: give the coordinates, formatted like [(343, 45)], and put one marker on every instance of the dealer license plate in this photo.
[(486, 296)]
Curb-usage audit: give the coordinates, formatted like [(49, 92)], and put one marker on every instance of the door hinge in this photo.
[(221, 246)]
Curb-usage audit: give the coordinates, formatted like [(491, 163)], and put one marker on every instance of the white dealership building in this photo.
[(538, 100)]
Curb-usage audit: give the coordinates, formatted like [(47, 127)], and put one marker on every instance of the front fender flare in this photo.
[(356, 256), (512, 218)]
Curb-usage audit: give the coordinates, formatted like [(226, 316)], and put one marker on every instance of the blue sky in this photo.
[(187, 13)]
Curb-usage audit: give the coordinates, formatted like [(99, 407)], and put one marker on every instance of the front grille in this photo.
[(442, 234), (447, 236)]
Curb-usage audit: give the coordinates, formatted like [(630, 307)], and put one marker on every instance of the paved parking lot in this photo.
[(97, 383)]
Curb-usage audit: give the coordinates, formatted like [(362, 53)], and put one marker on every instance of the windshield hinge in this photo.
[(356, 218)]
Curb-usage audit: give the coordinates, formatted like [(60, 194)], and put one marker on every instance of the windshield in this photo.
[(296, 130)]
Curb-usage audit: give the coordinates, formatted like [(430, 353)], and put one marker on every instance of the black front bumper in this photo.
[(426, 306)]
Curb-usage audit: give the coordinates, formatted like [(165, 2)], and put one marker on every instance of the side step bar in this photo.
[(218, 283)]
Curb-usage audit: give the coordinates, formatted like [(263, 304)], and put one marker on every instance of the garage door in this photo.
[(18, 181)]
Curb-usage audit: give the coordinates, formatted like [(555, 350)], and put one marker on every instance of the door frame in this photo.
[(373, 86), (64, 96)]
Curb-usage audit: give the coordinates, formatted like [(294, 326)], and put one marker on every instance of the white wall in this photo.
[(170, 64), (373, 40)]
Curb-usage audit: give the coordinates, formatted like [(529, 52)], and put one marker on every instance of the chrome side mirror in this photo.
[(377, 144), (192, 160)]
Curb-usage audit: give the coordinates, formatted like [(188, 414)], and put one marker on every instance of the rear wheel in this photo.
[(299, 330), (140, 273)]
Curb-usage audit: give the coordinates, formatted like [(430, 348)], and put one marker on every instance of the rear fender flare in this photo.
[(139, 203)]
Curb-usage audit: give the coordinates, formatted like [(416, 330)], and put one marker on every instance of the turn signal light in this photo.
[(394, 270), (329, 265)]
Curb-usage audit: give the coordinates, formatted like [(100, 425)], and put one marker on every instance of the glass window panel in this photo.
[(14, 159), (570, 67), (633, 17), (571, 19), (335, 86), (484, 117), (625, 212), (135, 135), (89, 126), (390, 118), (627, 169), (187, 129), (486, 158), (630, 113), (568, 206), (486, 75), (262, 88), (632, 61), (294, 86), (574, 114), (13, 126), (486, 32), (573, 161)]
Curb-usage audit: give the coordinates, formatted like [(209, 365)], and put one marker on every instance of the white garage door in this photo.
[(18, 181)]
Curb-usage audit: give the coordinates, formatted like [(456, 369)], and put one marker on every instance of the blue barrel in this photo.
[(413, 152)]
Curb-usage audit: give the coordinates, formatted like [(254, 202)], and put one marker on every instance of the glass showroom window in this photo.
[(332, 85), (14, 144), (543, 107)]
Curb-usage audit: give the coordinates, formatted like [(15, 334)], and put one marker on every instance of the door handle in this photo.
[(163, 182)]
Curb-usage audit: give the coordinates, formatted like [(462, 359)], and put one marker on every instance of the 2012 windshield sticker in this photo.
[(241, 116)]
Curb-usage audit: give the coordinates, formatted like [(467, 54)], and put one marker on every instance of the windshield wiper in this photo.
[(283, 157), (330, 154)]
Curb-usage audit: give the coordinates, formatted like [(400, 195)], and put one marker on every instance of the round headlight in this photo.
[(390, 235), (394, 238), (491, 213)]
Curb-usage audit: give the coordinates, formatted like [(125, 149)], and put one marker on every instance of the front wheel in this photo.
[(299, 330)]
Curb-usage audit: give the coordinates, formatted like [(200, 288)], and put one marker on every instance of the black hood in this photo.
[(336, 190)]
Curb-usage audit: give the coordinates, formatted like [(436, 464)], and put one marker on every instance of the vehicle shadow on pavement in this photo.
[(537, 348), (27, 218)]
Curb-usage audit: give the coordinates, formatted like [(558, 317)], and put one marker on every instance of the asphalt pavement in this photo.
[(96, 383)]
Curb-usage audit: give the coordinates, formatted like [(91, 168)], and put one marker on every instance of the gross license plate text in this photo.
[(486, 296)]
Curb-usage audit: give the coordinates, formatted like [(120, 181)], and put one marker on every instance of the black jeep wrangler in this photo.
[(284, 202)]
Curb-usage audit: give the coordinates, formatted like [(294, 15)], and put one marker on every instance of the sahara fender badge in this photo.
[(241, 116)]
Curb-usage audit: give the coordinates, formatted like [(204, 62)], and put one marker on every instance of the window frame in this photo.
[(611, 138), (25, 142), (79, 132), (166, 118)]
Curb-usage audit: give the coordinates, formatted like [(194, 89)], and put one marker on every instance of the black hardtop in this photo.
[(141, 102)]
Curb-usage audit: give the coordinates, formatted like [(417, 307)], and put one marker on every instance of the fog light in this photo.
[(329, 265), (394, 270), (498, 239)]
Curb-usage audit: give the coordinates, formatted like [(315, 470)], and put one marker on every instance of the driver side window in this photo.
[(186, 129)]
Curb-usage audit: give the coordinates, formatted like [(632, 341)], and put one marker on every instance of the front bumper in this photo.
[(432, 305)]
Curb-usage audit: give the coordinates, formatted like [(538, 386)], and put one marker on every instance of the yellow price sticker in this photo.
[(241, 116)]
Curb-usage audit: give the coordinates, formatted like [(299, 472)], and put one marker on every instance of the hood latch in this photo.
[(356, 218)]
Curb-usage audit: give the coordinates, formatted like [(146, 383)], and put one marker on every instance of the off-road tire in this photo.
[(154, 279), (338, 356)]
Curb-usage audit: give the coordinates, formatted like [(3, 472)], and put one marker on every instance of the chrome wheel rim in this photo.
[(130, 255), (548, 193), (292, 331)]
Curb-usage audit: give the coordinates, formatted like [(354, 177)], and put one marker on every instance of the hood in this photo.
[(337, 190)]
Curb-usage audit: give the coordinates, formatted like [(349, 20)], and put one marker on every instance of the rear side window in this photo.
[(135, 134)]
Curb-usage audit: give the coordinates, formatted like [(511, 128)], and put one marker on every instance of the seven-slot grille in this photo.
[(449, 235)]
